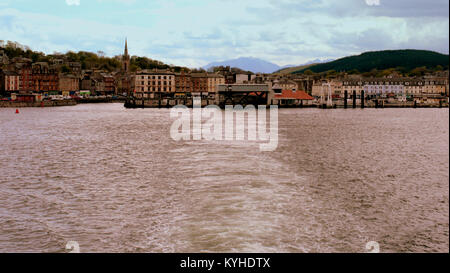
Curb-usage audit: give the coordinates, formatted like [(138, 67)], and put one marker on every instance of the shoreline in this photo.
[(24, 104), (61, 103), (55, 103)]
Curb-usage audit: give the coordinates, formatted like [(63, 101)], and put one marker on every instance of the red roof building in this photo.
[(293, 95), (292, 98)]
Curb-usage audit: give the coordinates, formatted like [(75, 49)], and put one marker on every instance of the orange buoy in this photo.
[(17, 111)]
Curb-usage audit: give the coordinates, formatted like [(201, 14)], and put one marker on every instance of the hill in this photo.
[(407, 60), (88, 60), (293, 68), (247, 64)]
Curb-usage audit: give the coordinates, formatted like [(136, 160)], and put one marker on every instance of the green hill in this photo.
[(289, 70), (88, 60), (405, 59)]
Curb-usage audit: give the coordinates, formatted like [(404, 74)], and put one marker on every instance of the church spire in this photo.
[(126, 58)]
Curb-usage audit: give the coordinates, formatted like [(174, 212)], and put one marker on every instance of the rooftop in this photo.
[(296, 95)]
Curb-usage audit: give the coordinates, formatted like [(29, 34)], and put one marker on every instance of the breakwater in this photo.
[(100, 100)]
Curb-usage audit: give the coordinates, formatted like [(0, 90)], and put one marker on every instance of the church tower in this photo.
[(126, 59)]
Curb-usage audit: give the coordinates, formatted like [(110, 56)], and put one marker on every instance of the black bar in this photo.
[(225, 262), (345, 99), (362, 99), (354, 98)]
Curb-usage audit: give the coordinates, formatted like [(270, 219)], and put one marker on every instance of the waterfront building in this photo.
[(44, 78), (146, 83), (183, 83), (26, 77), (99, 83), (244, 94), (9, 82), (68, 84), (213, 80), (293, 98), (87, 82), (383, 88), (319, 88), (396, 87), (109, 83), (199, 82)]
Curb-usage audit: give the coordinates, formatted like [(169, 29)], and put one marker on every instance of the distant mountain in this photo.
[(408, 59), (248, 64)]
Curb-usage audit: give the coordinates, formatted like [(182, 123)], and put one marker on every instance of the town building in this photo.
[(241, 78), (9, 82), (213, 80), (199, 82), (75, 68), (25, 76), (183, 82), (44, 78), (320, 88), (292, 98), (87, 82), (243, 94), (68, 84), (287, 84), (146, 83), (123, 79)]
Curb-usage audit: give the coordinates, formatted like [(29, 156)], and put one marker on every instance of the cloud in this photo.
[(373, 2), (191, 33), (73, 2)]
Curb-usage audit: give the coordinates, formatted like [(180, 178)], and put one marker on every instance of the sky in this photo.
[(194, 33)]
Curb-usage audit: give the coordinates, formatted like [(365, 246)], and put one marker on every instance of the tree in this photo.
[(418, 71), (65, 69), (354, 72)]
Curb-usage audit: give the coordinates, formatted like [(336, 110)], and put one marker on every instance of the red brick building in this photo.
[(26, 78), (199, 82), (183, 83), (44, 78)]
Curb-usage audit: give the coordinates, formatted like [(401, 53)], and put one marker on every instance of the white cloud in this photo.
[(73, 2), (373, 2)]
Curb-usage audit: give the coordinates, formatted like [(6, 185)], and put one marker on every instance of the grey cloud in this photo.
[(411, 8), (284, 9)]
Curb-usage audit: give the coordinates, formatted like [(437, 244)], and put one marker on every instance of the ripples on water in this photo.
[(113, 180)]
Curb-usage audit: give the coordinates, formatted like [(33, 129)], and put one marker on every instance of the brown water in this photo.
[(114, 181)]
